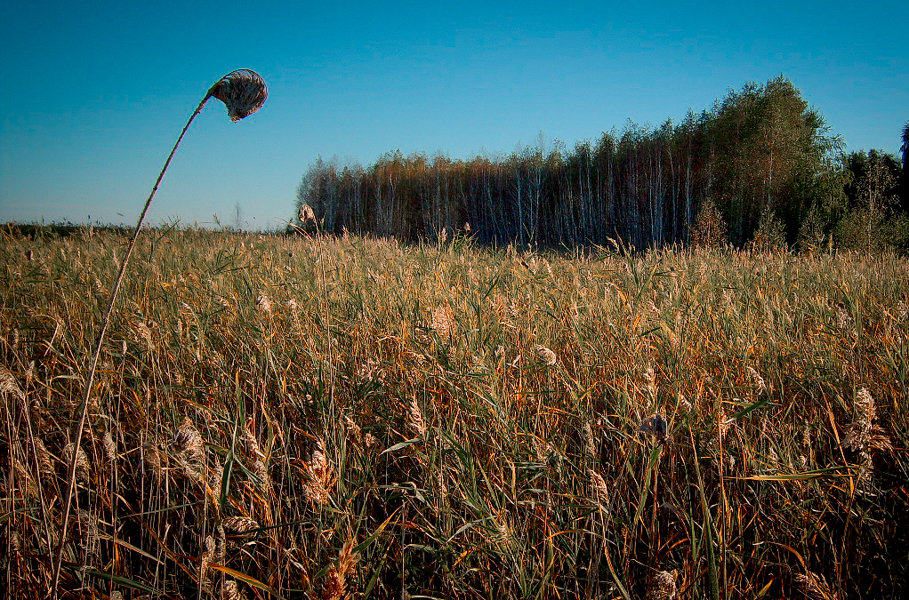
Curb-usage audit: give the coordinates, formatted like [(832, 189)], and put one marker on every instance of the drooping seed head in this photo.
[(242, 91), (600, 492), (546, 356), (662, 586)]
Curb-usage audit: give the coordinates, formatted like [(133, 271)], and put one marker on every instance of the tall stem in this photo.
[(90, 380)]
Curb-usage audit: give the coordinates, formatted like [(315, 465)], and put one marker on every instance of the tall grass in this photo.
[(344, 416)]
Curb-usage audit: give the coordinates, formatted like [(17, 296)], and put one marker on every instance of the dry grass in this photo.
[(353, 418)]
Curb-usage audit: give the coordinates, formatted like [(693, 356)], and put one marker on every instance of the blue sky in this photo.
[(95, 93)]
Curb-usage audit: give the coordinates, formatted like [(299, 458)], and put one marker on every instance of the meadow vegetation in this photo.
[(340, 416)]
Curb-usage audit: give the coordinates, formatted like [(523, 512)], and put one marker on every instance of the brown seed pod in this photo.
[(242, 91)]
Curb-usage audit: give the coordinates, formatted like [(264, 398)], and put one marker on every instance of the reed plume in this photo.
[(336, 579), (243, 92), (662, 586), (546, 356)]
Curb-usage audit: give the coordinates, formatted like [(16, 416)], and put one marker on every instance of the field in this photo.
[(338, 417)]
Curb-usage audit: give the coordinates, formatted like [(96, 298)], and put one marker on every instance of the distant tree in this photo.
[(859, 167), (238, 217), (760, 153), (765, 141), (872, 196), (904, 176), (770, 236), (710, 229)]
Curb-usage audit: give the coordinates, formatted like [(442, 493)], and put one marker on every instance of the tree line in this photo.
[(760, 167)]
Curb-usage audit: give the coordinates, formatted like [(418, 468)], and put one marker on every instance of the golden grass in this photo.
[(334, 417)]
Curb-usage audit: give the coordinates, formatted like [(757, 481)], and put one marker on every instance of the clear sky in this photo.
[(94, 94)]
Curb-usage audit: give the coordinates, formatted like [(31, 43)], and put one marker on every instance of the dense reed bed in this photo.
[(348, 417)]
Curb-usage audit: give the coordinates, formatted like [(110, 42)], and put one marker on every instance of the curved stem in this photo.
[(90, 380)]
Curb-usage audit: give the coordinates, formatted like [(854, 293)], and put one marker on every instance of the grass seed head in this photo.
[(860, 430), (545, 355), (83, 467), (662, 586), (9, 386), (336, 579), (230, 591), (110, 447), (239, 524), (45, 463), (154, 459), (815, 586), (257, 456), (189, 450), (264, 304), (318, 477), (650, 380), (21, 483), (590, 442), (243, 92), (352, 429), (599, 490), (415, 421), (443, 322), (756, 380)]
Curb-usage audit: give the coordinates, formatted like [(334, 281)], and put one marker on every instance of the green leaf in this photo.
[(750, 407), (400, 445), (244, 578), (123, 581)]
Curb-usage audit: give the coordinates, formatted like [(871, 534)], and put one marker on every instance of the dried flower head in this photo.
[(45, 464), (90, 537), (546, 356), (318, 477), (352, 429), (599, 490), (21, 483), (590, 442), (306, 214), (415, 421), (443, 322), (9, 385), (662, 586), (815, 587), (230, 591), (243, 92), (239, 525), (503, 531), (208, 556), (141, 333), (902, 310), (82, 465), (864, 436), (189, 450), (650, 380), (862, 426), (724, 423), (258, 458), (757, 381), (153, 459), (263, 304), (110, 447), (684, 405), (335, 581)]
